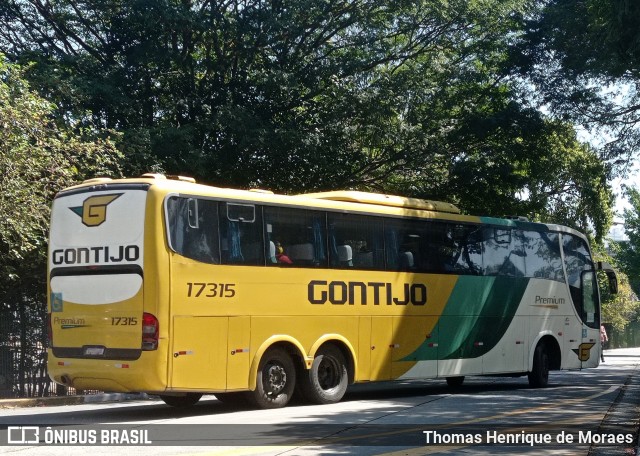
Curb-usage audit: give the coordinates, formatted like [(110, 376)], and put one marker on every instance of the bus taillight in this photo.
[(150, 331)]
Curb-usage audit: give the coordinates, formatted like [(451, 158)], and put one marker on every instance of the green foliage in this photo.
[(37, 158), (625, 256), (408, 96), (629, 250), (583, 57), (618, 310)]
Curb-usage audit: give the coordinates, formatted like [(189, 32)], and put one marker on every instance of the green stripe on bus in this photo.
[(476, 317)]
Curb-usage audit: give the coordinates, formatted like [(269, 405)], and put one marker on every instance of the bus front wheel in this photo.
[(187, 400), (539, 375), (276, 380), (327, 380)]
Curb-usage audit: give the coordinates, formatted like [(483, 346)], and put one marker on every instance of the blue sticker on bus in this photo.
[(56, 302)]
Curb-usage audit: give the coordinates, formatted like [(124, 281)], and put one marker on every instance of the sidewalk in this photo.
[(624, 413)]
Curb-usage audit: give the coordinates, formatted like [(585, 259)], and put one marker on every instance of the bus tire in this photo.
[(539, 375), (455, 382), (276, 380), (187, 400), (327, 379)]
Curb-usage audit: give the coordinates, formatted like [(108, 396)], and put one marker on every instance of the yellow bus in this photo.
[(158, 284)]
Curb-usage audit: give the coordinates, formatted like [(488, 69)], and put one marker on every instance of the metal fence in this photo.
[(23, 359)]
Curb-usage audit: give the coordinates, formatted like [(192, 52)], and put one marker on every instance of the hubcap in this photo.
[(328, 373), (276, 379)]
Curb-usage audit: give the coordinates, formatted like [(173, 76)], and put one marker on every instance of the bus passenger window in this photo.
[(298, 237), (241, 235), (355, 241), (542, 255), (193, 228), (502, 253), (403, 239), (466, 249)]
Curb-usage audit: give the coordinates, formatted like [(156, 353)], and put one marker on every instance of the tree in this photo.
[(583, 56), (629, 250), (244, 91), (499, 157), (415, 96), (37, 159), (619, 309)]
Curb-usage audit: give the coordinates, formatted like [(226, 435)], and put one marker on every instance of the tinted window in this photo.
[(193, 228), (577, 260), (503, 253), (542, 255), (296, 237), (402, 244), (232, 233), (468, 249), (241, 240), (355, 241), (422, 246)]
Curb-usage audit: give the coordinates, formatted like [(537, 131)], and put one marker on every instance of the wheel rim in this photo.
[(275, 379), (329, 373)]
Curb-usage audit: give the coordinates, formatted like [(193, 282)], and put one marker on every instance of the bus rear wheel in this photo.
[(275, 381), (539, 375), (187, 400), (327, 380)]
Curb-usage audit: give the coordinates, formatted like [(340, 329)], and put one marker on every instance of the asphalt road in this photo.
[(591, 412)]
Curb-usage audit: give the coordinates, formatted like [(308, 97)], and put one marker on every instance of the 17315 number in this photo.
[(211, 290)]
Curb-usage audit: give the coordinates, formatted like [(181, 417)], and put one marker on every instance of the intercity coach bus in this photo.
[(161, 285)]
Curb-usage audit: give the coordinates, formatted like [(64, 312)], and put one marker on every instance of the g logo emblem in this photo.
[(583, 351), (94, 209)]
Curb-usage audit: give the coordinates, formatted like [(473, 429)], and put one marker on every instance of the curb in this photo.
[(72, 400)]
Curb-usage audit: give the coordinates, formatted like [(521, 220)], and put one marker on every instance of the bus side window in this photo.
[(402, 244), (193, 228), (355, 241), (241, 234), (542, 255), (577, 260), (466, 249), (503, 254), (300, 234)]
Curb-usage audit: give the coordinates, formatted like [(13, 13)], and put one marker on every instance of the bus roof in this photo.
[(337, 200), (385, 200)]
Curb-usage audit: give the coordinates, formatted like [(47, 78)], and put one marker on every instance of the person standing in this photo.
[(603, 340)]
